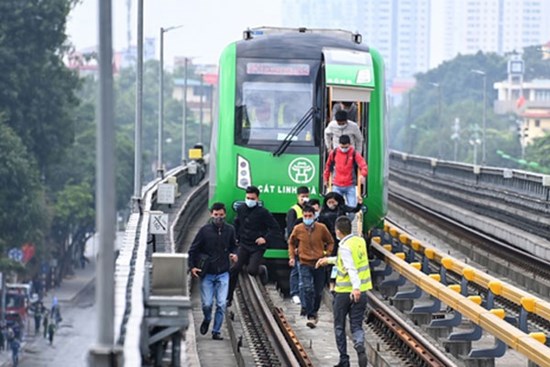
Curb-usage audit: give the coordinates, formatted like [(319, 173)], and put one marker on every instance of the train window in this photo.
[(270, 111)]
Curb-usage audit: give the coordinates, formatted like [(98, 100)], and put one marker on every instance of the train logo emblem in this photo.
[(301, 170)]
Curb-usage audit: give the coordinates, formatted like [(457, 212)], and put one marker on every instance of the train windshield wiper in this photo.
[(300, 125)]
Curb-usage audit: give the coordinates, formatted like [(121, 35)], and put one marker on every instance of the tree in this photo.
[(24, 216), (417, 127), (539, 152), (36, 89)]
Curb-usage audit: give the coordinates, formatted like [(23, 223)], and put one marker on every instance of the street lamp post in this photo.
[(484, 122), (409, 121), (439, 146), (201, 107), (139, 108), (184, 122), (160, 168)]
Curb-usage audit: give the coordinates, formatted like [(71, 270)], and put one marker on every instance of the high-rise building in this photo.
[(468, 26), (416, 35), (398, 29)]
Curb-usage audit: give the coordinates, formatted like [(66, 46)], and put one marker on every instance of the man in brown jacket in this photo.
[(313, 241)]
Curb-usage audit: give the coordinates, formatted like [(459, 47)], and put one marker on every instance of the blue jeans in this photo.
[(348, 192), (311, 291), (342, 305), (218, 285), (295, 283)]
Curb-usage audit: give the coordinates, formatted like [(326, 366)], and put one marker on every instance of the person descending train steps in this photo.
[(254, 226)]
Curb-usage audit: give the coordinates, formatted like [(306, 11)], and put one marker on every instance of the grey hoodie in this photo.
[(333, 133)]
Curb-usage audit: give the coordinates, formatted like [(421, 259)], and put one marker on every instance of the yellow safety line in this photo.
[(489, 320), (514, 294)]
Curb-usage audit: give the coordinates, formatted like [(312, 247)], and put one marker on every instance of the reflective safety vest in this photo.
[(358, 249), (298, 209)]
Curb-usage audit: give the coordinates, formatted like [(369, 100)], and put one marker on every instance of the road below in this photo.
[(72, 340)]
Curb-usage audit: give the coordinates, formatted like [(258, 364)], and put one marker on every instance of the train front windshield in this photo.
[(272, 97)]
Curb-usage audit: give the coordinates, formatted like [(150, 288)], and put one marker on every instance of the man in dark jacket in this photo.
[(209, 257), (255, 226)]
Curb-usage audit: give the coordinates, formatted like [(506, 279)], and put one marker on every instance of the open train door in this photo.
[(349, 77)]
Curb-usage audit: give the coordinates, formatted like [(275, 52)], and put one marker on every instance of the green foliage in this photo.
[(539, 152), (424, 123), (173, 112), (23, 212), (36, 89)]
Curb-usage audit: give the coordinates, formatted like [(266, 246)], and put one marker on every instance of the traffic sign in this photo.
[(158, 223), (15, 254)]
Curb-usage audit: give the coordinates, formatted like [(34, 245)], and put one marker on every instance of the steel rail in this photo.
[(413, 340), (279, 338), (507, 251)]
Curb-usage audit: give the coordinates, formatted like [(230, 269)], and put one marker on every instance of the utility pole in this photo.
[(184, 122), (201, 107), (484, 121), (439, 124), (104, 353), (139, 108), (160, 164), (409, 122), (160, 170), (455, 137)]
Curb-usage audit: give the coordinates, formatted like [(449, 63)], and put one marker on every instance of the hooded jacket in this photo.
[(343, 166), (328, 216)]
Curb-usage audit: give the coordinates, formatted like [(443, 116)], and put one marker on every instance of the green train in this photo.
[(276, 90)]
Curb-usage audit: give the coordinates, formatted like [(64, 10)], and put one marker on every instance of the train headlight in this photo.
[(244, 178)]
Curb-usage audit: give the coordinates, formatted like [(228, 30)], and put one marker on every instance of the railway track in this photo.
[(270, 337), (537, 267), (272, 342), (533, 264), (409, 346)]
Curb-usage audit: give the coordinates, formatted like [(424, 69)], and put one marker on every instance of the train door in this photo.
[(350, 81)]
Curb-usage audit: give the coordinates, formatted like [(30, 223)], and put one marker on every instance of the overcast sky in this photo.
[(209, 25)]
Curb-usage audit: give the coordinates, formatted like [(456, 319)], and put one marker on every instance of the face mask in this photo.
[(218, 221), (316, 215), (308, 221), (331, 206), (305, 200), (250, 203), (344, 150), (343, 126)]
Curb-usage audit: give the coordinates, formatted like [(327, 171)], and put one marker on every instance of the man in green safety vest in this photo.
[(352, 282)]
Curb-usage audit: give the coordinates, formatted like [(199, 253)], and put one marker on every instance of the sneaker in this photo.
[(264, 277), (204, 327), (296, 300), (362, 359), (361, 356), (311, 322), (217, 336)]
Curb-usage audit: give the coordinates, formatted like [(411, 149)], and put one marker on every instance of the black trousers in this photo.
[(252, 260), (343, 306)]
